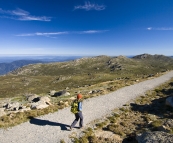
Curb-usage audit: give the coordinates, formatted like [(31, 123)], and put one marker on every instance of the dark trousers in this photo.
[(78, 116)]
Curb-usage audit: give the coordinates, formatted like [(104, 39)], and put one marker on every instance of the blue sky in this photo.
[(79, 27)]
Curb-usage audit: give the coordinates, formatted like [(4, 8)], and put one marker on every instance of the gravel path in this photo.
[(52, 128)]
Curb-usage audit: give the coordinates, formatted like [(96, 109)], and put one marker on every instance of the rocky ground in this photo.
[(54, 127)]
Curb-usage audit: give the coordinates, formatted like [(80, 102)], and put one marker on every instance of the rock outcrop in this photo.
[(61, 93), (39, 105), (13, 106), (34, 102), (40, 102), (32, 97), (154, 137)]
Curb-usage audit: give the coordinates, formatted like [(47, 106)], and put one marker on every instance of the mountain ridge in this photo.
[(8, 64), (7, 67), (97, 63), (40, 78)]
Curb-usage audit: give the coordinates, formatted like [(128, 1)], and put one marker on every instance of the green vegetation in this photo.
[(102, 74), (41, 78)]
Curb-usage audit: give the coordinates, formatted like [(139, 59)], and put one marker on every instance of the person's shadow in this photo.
[(41, 122)]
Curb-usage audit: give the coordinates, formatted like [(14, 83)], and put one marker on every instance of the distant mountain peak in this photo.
[(142, 56)]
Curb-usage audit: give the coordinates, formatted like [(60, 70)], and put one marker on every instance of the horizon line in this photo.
[(14, 55)]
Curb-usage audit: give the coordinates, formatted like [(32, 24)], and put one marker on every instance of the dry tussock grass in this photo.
[(146, 113)]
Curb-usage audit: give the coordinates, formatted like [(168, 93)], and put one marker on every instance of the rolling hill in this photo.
[(41, 78)]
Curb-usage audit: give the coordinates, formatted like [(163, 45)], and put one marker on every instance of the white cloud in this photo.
[(161, 29), (149, 28), (50, 34), (32, 18), (22, 15), (88, 6), (92, 31), (43, 34), (19, 12)]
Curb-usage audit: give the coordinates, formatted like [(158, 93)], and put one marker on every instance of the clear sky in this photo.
[(93, 27)]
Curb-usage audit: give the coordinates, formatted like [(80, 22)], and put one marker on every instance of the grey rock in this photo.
[(32, 98), (168, 123), (44, 99), (169, 101), (2, 112), (42, 102), (154, 137), (152, 117), (150, 75), (25, 109), (52, 92), (67, 88), (90, 92), (39, 105), (94, 91), (61, 93), (12, 106), (2, 104)]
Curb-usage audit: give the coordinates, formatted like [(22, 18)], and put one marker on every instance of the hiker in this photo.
[(76, 108)]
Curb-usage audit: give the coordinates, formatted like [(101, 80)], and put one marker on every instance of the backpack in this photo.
[(74, 107)]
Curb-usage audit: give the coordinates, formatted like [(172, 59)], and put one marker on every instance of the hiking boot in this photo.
[(81, 127), (70, 128)]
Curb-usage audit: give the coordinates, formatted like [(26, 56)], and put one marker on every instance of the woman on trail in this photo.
[(76, 108)]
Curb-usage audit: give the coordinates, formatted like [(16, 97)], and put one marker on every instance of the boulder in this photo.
[(39, 105), (154, 137), (168, 123), (52, 92), (32, 98), (152, 117), (12, 106), (61, 93), (169, 101), (25, 109), (2, 104), (90, 92), (150, 75), (45, 99), (94, 91), (72, 98), (42, 102), (2, 112), (67, 88), (66, 103)]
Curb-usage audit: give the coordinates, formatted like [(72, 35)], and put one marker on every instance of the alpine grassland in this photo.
[(41, 78), (90, 76)]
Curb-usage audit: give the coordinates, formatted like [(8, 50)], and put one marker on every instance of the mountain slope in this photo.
[(57, 123), (100, 64), (8, 64), (41, 78), (7, 67)]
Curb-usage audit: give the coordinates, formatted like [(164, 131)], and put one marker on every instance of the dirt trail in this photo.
[(53, 127)]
